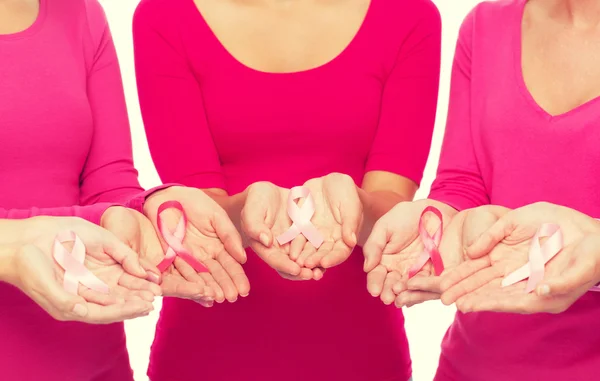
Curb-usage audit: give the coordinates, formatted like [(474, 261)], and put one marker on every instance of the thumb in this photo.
[(490, 238), (254, 222), (124, 255), (376, 243), (351, 219), (229, 236), (578, 276)]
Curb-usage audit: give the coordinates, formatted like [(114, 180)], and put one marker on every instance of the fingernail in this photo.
[(264, 239), (543, 290), (154, 278), (354, 238), (80, 310)]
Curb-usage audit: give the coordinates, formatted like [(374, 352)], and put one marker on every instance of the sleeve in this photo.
[(92, 213), (409, 102), (109, 174), (458, 182), (171, 101)]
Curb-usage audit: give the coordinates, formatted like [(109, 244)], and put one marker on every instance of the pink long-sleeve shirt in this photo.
[(212, 122), (65, 141), (502, 148)]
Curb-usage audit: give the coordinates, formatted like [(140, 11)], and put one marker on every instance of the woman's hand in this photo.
[(394, 246), (504, 247), (338, 217), (211, 237), (263, 218), (39, 276), (137, 232)]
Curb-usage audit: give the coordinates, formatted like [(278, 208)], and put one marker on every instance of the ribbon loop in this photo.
[(73, 264), (431, 244), (301, 217), (175, 239)]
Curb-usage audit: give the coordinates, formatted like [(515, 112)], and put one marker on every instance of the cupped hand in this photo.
[(263, 218), (338, 217), (137, 232), (394, 247), (41, 278), (504, 247), (210, 236)]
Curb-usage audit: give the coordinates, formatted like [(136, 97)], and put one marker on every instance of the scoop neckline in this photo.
[(31, 29), (341, 55)]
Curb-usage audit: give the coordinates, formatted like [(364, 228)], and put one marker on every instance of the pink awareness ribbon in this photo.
[(72, 262), (431, 244), (539, 255), (301, 217), (175, 239)]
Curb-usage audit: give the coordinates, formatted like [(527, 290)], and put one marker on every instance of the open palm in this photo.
[(338, 217), (135, 230), (394, 247), (210, 236), (264, 218), (503, 248)]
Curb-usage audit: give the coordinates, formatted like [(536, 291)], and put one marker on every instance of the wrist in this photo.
[(15, 234)]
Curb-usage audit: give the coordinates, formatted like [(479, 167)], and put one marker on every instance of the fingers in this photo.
[(431, 284), (235, 272), (411, 298), (188, 274), (490, 238), (472, 283), (462, 271), (387, 294), (133, 283), (116, 312), (375, 280), (297, 246), (154, 274), (176, 285), (229, 236), (226, 289), (310, 256), (477, 221), (376, 243), (100, 298), (277, 259)]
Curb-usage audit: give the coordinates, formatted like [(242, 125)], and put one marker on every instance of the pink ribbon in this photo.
[(175, 239), (301, 217), (539, 255), (72, 263), (431, 244)]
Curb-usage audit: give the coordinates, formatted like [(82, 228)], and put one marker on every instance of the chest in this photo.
[(560, 65), (286, 36), (45, 116)]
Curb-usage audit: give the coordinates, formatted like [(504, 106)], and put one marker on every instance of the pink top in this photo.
[(502, 148), (213, 122), (65, 141)]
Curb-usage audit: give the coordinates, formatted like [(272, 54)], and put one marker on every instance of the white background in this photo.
[(425, 324)]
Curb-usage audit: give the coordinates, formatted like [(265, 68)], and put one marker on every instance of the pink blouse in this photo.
[(65, 141), (502, 148), (212, 122)]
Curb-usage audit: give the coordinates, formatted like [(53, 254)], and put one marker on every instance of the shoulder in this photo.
[(155, 11), (407, 13), (492, 15)]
